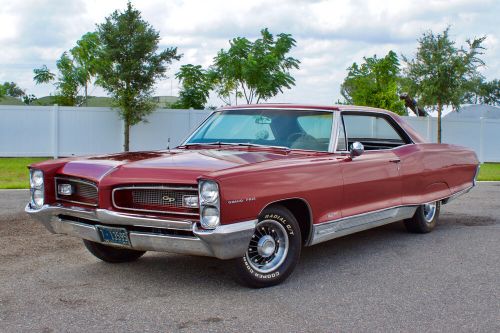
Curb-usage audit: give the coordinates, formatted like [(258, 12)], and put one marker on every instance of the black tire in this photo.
[(423, 222), (112, 254), (275, 223)]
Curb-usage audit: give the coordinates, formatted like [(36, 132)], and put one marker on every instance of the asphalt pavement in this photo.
[(380, 280)]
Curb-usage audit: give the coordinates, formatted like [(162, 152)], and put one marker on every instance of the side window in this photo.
[(373, 131)]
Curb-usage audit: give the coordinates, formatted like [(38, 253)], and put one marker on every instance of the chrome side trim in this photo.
[(76, 180), (194, 189), (349, 225), (456, 195)]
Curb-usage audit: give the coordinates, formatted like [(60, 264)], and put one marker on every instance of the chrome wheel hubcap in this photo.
[(268, 247), (429, 211)]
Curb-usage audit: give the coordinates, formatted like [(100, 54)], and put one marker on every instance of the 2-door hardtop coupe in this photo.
[(254, 183)]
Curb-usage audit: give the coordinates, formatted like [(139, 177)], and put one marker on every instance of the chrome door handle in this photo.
[(396, 160)]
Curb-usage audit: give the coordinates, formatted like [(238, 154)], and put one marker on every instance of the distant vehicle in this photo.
[(254, 183)]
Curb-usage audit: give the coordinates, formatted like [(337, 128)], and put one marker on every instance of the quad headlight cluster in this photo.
[(37, 188), (209, 204)]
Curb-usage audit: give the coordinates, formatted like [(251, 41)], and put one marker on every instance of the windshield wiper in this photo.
[(217, 143), (248, 144), (241, 144)]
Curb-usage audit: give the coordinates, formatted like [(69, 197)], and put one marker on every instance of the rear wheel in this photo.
[(112, 254), (274, 249), (425, 218)]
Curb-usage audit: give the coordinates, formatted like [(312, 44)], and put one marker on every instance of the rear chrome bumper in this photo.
[(225, 242)]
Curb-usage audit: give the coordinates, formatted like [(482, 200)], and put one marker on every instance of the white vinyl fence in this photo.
[(65, 131)]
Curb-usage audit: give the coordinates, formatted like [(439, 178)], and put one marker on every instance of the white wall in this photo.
[(65, 131)]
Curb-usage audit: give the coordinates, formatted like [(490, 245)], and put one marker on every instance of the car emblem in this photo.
[(166, 198)]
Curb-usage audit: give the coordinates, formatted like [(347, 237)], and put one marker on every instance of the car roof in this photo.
[(287, 106)]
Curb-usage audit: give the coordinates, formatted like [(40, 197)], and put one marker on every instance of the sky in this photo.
[(330, 35)]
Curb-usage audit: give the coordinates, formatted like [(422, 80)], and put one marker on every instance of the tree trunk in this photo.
[(126, 136), (440, 110), (86, 104)]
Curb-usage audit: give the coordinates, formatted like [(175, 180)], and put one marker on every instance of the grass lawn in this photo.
[(489, 171), (14, 174), (13, 171)]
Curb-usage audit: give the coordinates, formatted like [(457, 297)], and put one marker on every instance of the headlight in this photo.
[(37, 198), (36, 180), (210, 217), (209, 192), (209, 204), (37, 188)]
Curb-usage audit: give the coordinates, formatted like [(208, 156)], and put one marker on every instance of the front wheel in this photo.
[(274, 249), (112, 254), (425, 218)]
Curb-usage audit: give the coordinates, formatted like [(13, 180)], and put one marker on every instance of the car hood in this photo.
[(175, 166)]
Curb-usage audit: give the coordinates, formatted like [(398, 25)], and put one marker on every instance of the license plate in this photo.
[(113, 235)]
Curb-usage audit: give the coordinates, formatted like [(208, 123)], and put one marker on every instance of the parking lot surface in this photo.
[(383, 279)]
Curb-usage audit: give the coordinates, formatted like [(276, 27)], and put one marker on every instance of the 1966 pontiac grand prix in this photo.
[(254, 184)]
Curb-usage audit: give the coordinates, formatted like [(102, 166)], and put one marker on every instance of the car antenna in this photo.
[(168, 145)]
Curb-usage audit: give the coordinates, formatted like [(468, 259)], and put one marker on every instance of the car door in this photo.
[(372, 180)]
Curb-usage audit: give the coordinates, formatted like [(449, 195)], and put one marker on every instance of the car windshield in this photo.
[(294, 129)]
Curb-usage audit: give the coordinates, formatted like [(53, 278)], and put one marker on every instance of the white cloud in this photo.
[(330, 35)]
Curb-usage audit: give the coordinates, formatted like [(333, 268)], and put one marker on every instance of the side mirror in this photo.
[(357, 149)]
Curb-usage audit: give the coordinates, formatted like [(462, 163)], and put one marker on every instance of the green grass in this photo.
[(14, 172), (489, 171)]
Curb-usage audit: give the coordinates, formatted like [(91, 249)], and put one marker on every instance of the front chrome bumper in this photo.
[(225, 242)]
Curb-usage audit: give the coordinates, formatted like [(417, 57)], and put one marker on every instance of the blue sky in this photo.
[(330, 35)]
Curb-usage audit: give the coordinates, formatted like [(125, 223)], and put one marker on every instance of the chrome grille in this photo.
[(83, 191), (154, 198)]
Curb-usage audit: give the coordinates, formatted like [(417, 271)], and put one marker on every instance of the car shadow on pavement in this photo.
[(158, 270)]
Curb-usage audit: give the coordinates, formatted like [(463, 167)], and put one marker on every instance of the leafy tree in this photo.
[(129, 64), (43, 75), (68, 81), (261, 68), (225, 87), (13, 90), (196, 86), (483, 92), (85, 56), (28, 99), (374, 83), (440, 73)]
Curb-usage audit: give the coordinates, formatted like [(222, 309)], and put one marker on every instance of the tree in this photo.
[(13, 90), (196, 86), (440, 73), (129, 64), (374, 83), (261, 68), (43, 75), (483, 92), (28, 99), (85, 56), (69, 80)]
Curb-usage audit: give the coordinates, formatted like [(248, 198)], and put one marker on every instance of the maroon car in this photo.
[(254, 183)]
